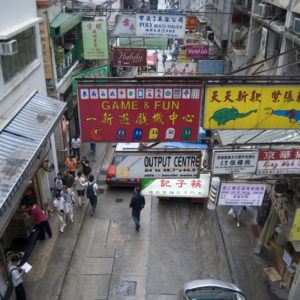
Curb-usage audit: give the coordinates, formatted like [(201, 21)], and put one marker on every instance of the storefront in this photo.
[(27, 156)]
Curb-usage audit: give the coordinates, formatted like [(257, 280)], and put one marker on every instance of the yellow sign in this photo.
[(252, 107), (295, 231)]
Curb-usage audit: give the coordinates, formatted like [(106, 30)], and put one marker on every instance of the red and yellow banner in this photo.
[(252, 107), (191, 23)]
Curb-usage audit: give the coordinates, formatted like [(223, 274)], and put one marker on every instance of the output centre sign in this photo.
[(157, 165)]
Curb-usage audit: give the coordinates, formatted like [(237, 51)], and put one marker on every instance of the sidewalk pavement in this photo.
[(50, 258)]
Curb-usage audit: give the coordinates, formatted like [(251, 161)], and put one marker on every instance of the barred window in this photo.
[(13, 64)]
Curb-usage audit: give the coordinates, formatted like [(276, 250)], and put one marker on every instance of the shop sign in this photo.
[(191, 23), (278, 162), (99, 72), (295, 231), (157, 165), (252, 107), (94, 34), (235, 162), (149, 43), (125, 26), (153, 25), (179, 68), (193, 188), (118, 113), (46, 54), (211, 66), (197, 51), (130, 57), (245, 194)]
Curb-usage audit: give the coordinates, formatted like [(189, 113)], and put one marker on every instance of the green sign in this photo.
[(99, 72), (149, 43)]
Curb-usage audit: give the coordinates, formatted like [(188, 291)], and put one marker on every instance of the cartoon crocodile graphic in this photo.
[(222, 116), (292, 114)]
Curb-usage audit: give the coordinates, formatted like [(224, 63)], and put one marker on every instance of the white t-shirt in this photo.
[(76, 143), (95, 186), (59, 204), (78, 186)]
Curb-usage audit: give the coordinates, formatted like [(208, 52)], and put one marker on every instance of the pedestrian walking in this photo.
[(71, 164), (86, 169), (16, 277), (40, 220), (137, 204), (164, 58), (91, 192), (237, 211), (75, 144), (58, 182), (93, 148), (80, 180), (68, 179), (59, 204), (68, 195)]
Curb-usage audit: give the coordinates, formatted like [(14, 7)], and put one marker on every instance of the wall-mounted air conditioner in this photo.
[(267, 42), (264, 10), (210, 35), (296, 27), (9, 47), (236, 37)]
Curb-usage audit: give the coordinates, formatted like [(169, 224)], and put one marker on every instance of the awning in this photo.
[(279, 3), (296, 8), (22, 141), (64, 23)]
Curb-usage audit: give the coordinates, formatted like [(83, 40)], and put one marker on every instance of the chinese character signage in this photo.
[(193, 188), (46, 54), (154, 25), (116, 113), (235, 162), (197, 51), (99, 72), (179, 68), (94, 36), (130, 57), (157, 165), (211, 66), (149, 43), (295, 231), (256, 107), (191, 22), (125, 26), (241, 194), (279, 162)]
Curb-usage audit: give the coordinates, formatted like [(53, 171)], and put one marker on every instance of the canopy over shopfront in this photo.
[(21, 143)]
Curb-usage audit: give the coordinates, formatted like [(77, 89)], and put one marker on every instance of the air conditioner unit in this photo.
[(9, 48), (264, 10), (296, 27), (236, 37), (267, 42), (210, 35)]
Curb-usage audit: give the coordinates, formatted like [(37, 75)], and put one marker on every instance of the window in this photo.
[(13, 64)]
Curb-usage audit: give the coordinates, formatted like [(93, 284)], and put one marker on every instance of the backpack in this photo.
[(90, 193)]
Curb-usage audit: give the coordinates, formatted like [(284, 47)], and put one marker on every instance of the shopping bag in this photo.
[(230, 212)]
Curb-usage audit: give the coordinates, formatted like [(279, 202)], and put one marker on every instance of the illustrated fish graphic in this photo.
[(292, 114), (222, 116)]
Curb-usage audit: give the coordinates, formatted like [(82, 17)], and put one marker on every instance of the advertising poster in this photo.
[(211, 66), (241, 194), (193, 188), (125, 26), (154, 25), (94, 34), (130, 57), (235, 162), (119, 113), (179, 68), (197, 51), (256, 107), (157, 165), (191, 23), (295, 231), (279, 162)]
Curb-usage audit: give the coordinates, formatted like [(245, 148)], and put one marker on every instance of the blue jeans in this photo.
[(93, 202), (93, 148), (136, 217)]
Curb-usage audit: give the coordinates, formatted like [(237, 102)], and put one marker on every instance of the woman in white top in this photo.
[(80, 189), (75, 143), (59, 204)]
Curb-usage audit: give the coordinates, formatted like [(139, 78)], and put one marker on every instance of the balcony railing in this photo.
[(68, 61)]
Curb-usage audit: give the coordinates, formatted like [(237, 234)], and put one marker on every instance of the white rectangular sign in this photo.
[(241, 194), (235, 162), (157, 165), (193, 188), (153, 25)]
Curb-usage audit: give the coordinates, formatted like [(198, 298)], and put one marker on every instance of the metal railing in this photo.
[(68, 61)]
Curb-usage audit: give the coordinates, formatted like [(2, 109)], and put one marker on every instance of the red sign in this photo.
[(130, 57), (191, 23), (278, 162), (197, 51), (114, 113)]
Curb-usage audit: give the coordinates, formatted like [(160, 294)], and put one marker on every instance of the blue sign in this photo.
[(211, 66)]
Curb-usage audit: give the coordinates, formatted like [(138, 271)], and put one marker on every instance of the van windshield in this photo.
[(214, 294)]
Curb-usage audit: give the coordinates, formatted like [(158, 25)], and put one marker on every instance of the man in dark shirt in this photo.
[(137, 204), (68, 179)]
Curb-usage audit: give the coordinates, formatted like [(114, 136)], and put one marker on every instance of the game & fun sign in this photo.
[(235, 162), (256, 107), (157, 165), (116, 113), (193, 188), (154, 25), (241, 194), (279, 162)]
